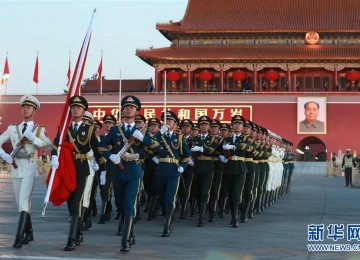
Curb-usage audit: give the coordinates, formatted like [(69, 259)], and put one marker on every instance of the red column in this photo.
[(255, 79), (156, 80), (289, 77), (335, 77), (188, 80), (221, 80)]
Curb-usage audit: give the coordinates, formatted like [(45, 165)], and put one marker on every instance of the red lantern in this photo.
[(205, 76), (239, 75), (173, 76), (271, 75), (352, 76)]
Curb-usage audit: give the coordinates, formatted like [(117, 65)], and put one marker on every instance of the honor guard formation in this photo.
[(175, 169)]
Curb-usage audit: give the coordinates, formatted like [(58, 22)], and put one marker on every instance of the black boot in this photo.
[(234, 215), (78, 234), (147, 205), (120, 225), (168, 221), (108, 211), (192, 207), (70, 245), (245, 211), (22, 225), (251, 210), (132, 235), (258, 204), (184, 203), (125, 246), (138, 214), (262, 202), (103, 210), (152, 208), (202, 214), (212, 208), (29, 234), (93, 207)]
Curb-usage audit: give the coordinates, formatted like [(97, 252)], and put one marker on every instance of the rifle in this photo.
[(127, 145), (20, 145)]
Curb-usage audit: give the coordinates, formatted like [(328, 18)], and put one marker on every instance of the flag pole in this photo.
[(74, 86), (165, 97), (120, 86), (101, 81)]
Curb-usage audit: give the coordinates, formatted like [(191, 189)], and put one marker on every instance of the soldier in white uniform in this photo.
[(24, 163)]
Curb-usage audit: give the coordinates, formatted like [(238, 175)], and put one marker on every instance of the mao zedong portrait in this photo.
[(311, 122)]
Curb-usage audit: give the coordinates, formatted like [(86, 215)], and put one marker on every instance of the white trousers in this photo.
[(23, 188)]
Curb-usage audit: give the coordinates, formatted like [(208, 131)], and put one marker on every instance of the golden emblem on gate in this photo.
[(312, 38)]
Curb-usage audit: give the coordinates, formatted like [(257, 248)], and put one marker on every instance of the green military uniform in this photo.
[(203, 148), (218, 173), (83, 140)]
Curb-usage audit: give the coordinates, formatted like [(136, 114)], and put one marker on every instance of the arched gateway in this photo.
[(312, 148)]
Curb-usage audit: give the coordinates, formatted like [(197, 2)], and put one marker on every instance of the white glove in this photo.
[(191, 162), (156, 160), (54, 162), (94, 165), (29, 135), (103, 178), (163, 129), (180, 169), (114, 158), (138, 135), (197, 149), (133, 156), (223, 159), (6, 157), (228, 147)]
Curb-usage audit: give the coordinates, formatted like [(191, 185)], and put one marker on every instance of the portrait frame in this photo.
[(305, 128)]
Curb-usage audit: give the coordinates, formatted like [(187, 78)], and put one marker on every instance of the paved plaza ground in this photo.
[(280, 232)]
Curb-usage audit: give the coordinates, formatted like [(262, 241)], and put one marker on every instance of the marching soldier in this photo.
[(250, 171), (235, 168), (203, 148), (93, 206), (24, 163), (151, 162), (260, 150), (106, 177), (128, 172), (174, 155), (187, 176), (225, 132), (218, 169), (291, 167), (348, 163), (86, 210), (83, 138)]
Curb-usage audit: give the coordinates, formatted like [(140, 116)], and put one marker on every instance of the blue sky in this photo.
[(56, 27)]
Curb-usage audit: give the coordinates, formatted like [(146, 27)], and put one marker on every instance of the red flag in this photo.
[(6, 73), (36, 71), (55, 185), (68, 74), (99, 72)]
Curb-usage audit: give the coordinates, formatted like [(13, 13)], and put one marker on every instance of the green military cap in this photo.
[(215, 122), (78, 101), (248, 123), (185, 122), (29, 100), (87, 115), (225, 126), (255, 127), (154, 121), (170, 115), (238, 119), (131, 101), (109, 118), (140, 118), (195, 126), (97, 123), (204, 120)]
